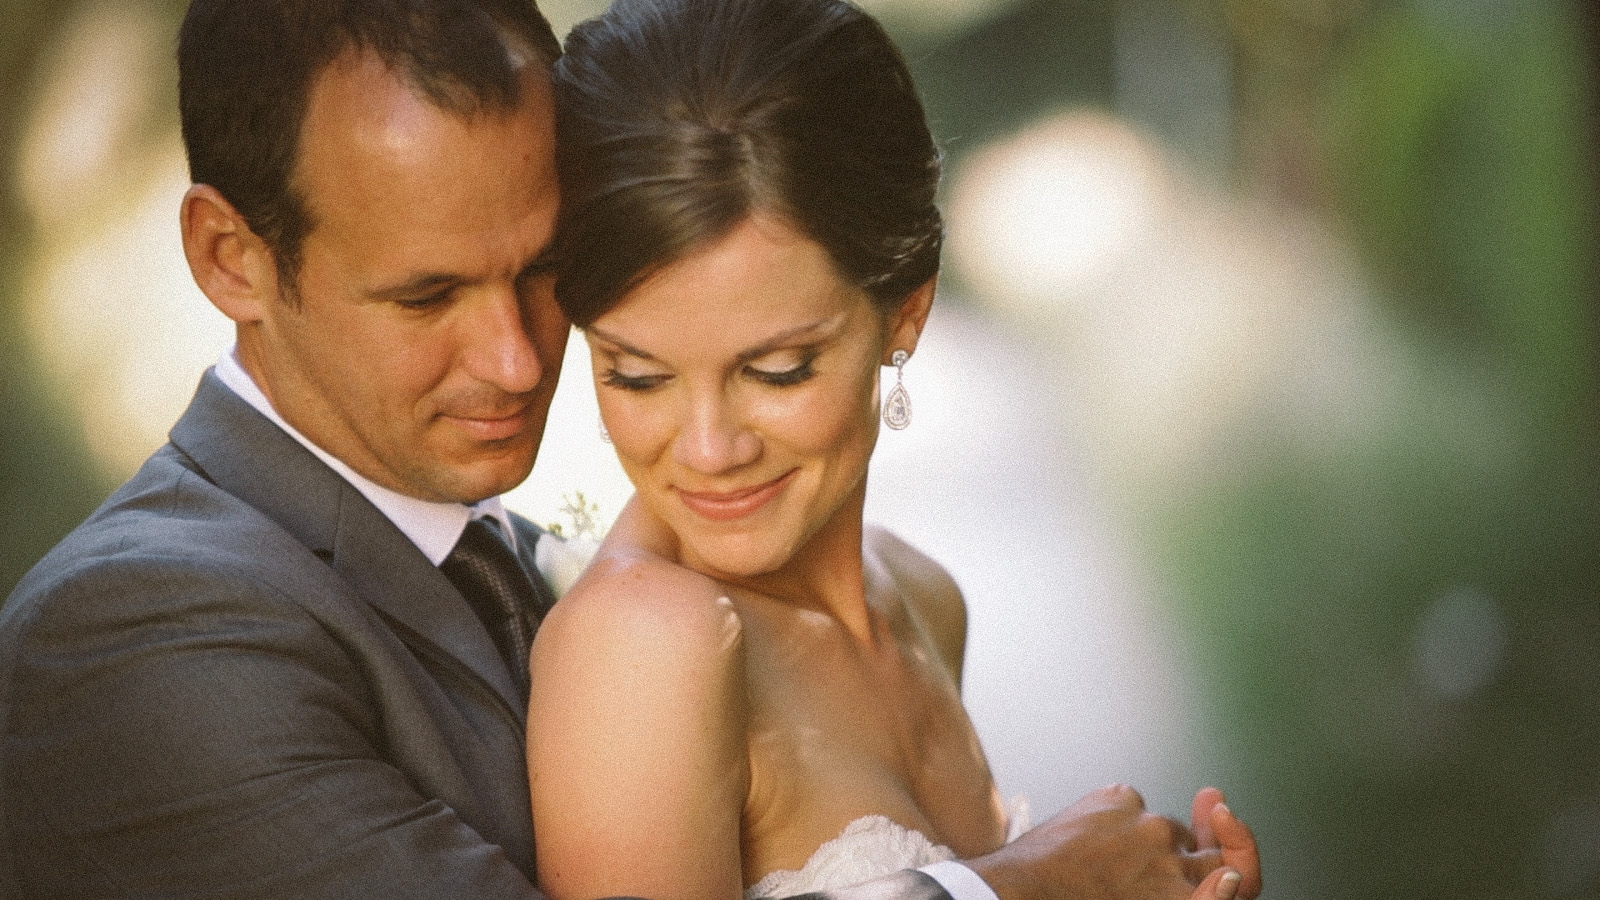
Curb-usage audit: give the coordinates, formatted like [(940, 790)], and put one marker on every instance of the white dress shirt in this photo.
[(435, 527)]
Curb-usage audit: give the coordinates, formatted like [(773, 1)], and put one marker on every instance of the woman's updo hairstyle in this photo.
[(678, 119)]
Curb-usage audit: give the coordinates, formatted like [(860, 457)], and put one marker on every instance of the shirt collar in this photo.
[(433, 526)]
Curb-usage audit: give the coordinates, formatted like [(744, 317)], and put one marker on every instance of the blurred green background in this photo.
[(1392, 601)]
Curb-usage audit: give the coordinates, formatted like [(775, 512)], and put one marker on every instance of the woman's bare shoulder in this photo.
[(637, 730), (930, 593), (634, 603)]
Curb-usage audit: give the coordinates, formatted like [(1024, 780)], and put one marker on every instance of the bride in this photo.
[(747, 673)]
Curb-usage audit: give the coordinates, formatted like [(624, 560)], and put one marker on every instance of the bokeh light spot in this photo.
[(1460, 642)]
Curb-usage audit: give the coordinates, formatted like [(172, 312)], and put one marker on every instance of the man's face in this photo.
[(423, 349)]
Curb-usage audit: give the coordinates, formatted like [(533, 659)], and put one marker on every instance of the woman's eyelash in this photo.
[(616, 379), (787, 377)]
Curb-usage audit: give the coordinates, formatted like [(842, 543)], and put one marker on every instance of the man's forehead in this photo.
[(366, 117), (399, 190)]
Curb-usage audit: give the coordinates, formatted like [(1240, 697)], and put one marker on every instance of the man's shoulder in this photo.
[(166, 528)]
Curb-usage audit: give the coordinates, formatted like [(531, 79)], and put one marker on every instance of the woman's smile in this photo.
[(728, 506)]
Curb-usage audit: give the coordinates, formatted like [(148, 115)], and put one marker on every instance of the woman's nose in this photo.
[(715, 439)]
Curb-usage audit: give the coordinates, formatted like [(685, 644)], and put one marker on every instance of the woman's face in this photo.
[(740, 389)]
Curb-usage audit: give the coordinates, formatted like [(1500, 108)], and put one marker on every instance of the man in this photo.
[(286, 659)]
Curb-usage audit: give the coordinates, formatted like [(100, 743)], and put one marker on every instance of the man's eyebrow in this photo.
[(422, 284), (432, 282), (777, 341)]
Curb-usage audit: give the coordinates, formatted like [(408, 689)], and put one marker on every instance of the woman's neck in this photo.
[(827, 574)]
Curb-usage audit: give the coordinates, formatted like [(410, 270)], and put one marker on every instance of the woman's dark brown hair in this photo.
[(678, 119)]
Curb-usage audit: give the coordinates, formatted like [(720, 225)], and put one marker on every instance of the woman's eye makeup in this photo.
[(617, 379), (784, 369), (785, 377)]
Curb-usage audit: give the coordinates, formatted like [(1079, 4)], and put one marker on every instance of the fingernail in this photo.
[(1224, 808), (1228, 886)]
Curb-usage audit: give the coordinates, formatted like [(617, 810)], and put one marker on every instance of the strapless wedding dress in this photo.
[(870, 847)]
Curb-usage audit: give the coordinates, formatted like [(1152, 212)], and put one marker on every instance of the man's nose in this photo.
[(497, 347), (714, 438)]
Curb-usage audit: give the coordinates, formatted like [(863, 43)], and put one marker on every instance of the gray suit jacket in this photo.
[(238, 679)]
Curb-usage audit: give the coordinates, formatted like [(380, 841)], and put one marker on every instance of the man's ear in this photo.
[(905, 327), (234, 268)]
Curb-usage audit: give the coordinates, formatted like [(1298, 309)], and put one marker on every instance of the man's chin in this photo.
[(472, 482)]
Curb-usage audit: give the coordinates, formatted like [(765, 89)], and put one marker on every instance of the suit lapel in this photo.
[(250, 457)]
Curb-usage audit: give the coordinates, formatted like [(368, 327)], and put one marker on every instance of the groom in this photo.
[(281, 661)]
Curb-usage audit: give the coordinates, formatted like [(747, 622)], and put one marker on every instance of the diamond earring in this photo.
[(897, 407), (604, 434)]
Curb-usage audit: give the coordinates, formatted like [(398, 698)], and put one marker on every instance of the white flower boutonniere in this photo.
[(562, 560), (566, 557)]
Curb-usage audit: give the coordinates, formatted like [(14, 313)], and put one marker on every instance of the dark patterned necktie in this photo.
[(486, 572)]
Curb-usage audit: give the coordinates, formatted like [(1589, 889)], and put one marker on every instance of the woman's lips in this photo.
[(725, 506)]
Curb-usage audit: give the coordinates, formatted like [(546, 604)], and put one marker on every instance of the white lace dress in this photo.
[(868, 848)]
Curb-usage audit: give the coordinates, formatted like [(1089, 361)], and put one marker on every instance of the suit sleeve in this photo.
[(172, 731)]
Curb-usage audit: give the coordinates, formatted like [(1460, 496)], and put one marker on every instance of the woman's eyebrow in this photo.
[(621, 344), (777, 341), (783, 339)]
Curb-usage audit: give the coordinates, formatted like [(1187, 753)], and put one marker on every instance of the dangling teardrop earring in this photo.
[(897, 407)]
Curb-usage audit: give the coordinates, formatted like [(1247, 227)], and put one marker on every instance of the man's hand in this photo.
[(1108, 847)]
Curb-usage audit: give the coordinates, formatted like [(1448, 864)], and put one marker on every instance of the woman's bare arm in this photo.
[(637, 754)]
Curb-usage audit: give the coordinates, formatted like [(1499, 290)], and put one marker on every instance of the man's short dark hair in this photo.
[(246, 69)]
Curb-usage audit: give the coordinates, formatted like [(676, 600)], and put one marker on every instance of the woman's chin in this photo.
[(734, 560)]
